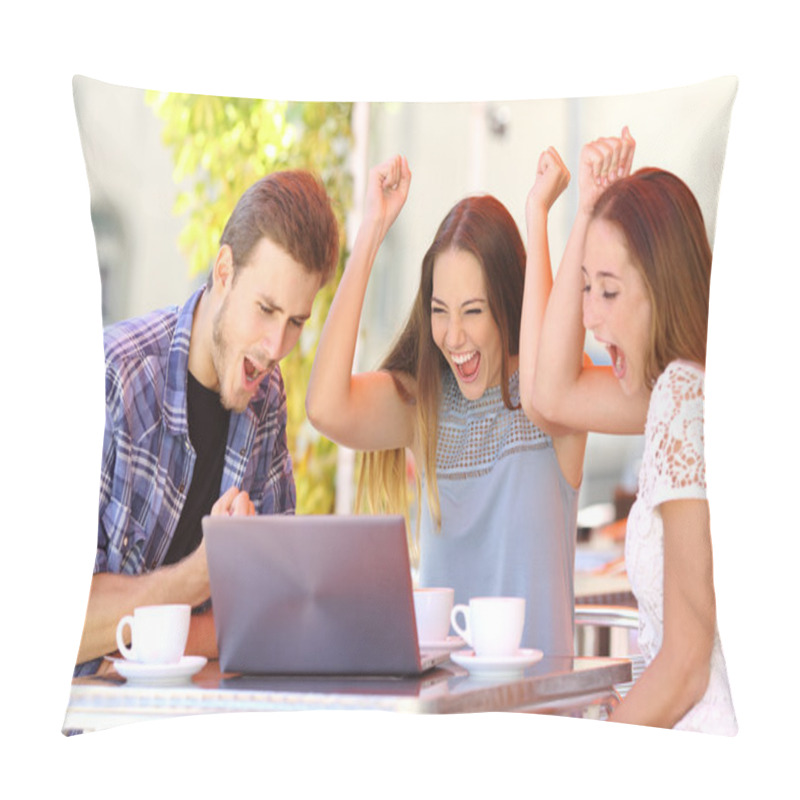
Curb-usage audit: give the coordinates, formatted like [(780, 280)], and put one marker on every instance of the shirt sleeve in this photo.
[(280, 493), (106, 479), (677, 434), (269, 477)]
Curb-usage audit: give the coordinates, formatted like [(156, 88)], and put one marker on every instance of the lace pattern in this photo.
[(673, 467), (474, 435)]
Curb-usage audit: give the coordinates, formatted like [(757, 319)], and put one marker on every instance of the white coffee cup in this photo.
[(158, 633), (492, 625), (432, 607)]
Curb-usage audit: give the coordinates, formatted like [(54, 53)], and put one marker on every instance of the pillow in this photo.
[(157, 163)]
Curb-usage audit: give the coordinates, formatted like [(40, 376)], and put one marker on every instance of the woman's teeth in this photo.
[(467, 364), (617, 359), (463, 357)]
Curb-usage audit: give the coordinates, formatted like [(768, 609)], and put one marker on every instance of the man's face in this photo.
[(259, 321)]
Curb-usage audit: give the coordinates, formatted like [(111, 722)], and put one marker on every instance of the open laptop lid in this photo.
[(313, 594)]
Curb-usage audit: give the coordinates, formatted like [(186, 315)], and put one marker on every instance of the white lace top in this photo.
[(673, 468)]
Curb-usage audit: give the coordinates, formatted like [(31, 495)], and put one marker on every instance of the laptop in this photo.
[(314, 595)]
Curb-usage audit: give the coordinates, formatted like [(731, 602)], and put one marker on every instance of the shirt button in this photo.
[(181, 488), (243, 451), (125, 542)]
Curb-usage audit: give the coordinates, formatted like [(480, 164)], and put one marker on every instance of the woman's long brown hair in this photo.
[(666, 237), (483, 227)]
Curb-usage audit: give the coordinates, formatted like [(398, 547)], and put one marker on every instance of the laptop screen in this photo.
[(312, 594)]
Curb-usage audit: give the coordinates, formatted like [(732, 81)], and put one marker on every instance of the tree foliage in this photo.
[(220, 147)]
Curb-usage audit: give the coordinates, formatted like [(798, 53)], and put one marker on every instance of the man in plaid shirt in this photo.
[(196, 410)]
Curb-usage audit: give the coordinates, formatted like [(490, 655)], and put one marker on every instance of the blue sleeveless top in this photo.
[(508, 514)]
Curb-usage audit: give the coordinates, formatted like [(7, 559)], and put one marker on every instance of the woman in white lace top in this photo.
[(638, 256)]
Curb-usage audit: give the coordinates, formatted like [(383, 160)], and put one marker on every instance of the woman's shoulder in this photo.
[(674, 435), (683, 367), (680, 379), (678, 394)]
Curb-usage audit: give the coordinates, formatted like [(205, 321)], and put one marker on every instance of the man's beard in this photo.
[(221, 359), (219, 355)]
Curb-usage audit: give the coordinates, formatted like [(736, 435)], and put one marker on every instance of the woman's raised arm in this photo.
[(365, 411), (552, 178), (567, 390)]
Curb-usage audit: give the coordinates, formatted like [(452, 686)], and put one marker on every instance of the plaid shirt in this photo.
[(147, 457)]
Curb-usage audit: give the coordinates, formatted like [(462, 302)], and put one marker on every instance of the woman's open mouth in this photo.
[(466, 364), (618, 361)]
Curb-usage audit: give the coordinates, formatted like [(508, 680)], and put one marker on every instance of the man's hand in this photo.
[(234, 503)]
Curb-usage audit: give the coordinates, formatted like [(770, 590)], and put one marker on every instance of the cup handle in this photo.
[(123, 648), (464, 632)]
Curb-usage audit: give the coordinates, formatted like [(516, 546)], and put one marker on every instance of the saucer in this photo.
[(159, 674), (450, 643), (496, 666)]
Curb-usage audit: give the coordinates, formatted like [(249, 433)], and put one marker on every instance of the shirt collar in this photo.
[(178, 367), (175, 388)]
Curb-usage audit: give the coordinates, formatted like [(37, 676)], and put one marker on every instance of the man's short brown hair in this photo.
[(293, 210)]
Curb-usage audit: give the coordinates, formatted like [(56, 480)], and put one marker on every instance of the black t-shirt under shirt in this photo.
[(208, 433)]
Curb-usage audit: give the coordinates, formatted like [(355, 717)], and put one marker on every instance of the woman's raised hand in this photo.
[(603, 161), (387, 190), (552, 177)]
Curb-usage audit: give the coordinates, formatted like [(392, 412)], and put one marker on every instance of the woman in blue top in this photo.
[(501, 484)]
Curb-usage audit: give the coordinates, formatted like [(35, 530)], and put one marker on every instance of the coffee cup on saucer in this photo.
[(432, 607), (158, 633), (492, 625)]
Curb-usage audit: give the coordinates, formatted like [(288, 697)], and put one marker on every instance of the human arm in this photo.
[(552, 177), (363, 411), (677, 677), (113, 596), (566, 389)]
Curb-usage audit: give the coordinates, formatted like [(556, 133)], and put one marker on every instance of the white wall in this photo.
[(130, 176), (453, 150)]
